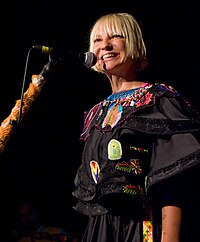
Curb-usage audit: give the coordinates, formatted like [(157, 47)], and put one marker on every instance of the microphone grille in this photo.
[(90, 59)]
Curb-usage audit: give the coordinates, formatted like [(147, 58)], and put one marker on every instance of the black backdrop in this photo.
[(41, 158)]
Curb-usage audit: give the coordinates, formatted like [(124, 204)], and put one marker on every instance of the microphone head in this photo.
[(43, 49), (90, 59)]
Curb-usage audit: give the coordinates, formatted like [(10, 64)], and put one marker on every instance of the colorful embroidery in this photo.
[(114, 150), (132, 166), (138, 149), (113, 115), (95, 170), (144, 100), (133, 190), (148, 226), (166, 87), (89, 117), (135, 97)]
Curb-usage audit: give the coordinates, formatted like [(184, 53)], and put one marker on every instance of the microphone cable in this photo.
[(23, 85), (45, 72)]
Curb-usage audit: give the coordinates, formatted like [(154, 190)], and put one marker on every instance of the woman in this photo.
[(139, 144)]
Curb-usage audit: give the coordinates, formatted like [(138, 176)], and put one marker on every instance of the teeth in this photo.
[(108, 56)]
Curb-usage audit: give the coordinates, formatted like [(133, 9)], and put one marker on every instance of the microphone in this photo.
[(88, 59)]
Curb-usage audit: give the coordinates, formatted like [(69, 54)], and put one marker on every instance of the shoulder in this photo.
[(162, 88), (92, 111)]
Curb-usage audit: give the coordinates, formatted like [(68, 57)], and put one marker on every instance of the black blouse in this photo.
[(133, 141)]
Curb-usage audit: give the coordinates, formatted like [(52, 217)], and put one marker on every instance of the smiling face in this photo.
[(110, 51), (117, 42)]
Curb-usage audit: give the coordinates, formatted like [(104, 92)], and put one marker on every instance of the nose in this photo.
[(106, 45)]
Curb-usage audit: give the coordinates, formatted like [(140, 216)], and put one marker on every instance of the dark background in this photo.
[(41, 158)]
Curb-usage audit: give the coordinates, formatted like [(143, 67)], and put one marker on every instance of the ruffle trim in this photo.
[(169, 171)]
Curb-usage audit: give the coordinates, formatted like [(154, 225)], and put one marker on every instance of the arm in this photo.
[(168, 199), (171, 223)]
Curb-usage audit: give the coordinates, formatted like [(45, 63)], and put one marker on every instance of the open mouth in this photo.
[(108, 56)]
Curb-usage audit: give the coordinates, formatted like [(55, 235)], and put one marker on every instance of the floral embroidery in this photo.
[(144, 100), (133, 190), (132, 166)]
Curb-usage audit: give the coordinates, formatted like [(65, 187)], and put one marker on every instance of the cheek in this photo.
[(96, 48), (96, 52)]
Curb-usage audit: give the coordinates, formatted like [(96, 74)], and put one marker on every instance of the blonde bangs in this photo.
[(125, 25), (110, 25)]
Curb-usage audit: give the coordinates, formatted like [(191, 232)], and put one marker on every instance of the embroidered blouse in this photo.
[(134, 140)]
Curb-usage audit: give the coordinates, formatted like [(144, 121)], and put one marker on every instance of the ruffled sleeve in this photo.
[(175, 129)]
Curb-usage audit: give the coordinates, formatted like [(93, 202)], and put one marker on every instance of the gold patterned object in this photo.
[(148, 226), (6, 128)]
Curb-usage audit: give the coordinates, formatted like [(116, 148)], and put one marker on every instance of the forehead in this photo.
[(107, 26)]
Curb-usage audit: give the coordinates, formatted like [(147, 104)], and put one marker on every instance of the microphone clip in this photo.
[(48, 68)]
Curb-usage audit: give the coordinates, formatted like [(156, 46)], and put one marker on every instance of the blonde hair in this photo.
[(126, 25)]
